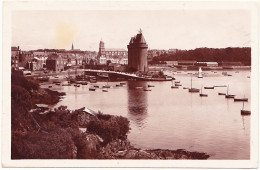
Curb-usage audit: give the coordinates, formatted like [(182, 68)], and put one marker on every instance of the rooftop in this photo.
[(138, 39)]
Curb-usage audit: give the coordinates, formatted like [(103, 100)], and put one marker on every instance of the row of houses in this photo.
[(196, 63), (157, 52), (51, 59)]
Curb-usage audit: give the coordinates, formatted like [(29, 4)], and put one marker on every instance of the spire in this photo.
[(140, 31), (72, 47)]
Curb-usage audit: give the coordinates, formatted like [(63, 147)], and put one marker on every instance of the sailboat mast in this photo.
[(227, 89), (243, 103), (191, 82)]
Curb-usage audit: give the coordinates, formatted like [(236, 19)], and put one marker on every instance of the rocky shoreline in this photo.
[(121, 147)]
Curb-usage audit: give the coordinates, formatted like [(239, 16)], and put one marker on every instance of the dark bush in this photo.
[(103, 116), (108, 130), (57, 144), (27, 83), (21, 96)]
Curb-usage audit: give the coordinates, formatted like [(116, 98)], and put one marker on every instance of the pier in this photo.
[(113, 75)]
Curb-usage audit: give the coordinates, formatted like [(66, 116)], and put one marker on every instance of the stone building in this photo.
[(113, 55), (15, 57), (55, 63), (137, 53)]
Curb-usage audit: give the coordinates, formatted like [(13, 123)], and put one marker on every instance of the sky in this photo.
[(162, 29)]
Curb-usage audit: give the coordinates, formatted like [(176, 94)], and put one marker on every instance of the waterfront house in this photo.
[(55, 63), (36, 63)]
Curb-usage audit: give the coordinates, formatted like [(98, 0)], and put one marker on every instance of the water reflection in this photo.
[(137, 102)]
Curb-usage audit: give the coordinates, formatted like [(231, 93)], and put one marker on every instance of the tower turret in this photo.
[(137, 53)]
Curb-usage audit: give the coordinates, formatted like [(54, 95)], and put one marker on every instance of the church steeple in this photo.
[(72, 47)]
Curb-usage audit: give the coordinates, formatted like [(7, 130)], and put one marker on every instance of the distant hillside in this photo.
[(209, 54)]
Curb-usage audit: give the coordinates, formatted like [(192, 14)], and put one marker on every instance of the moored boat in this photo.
[(146, 89), (92, 89), (201, 94), (241, 99), (106, 86), (200, 73), (221, 86), (245, 112), (229, 95), (193, 90), (84, 83), (209, 87), (104, 90), (221, 93), (177, 84)]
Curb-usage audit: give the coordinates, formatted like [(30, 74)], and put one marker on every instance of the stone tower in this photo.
[(101, 51), (101, 48), (137, 53)]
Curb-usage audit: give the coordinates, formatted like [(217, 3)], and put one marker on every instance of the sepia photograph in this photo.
[(130, 82)]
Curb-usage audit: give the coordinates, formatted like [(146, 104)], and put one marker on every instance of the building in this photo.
[(137, 53), (55, 63), (172, 51), (72, 48), (208, 64), (187, 62), (36, 63), (155, 53), (113, 55), (15, 57), (171, 63)]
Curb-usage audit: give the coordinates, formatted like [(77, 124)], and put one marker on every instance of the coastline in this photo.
[(39, 133)]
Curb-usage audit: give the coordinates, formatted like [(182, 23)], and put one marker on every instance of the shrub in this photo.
[(57, 144), (110, 129), (20, 96), (27, 83)]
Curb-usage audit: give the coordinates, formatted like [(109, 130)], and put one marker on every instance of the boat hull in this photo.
[(194, 90), (230, 96), (203, 95), (241, 100), (245, 112), (208, 87)]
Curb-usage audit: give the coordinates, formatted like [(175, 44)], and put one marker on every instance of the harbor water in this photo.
[(166, 118)]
